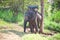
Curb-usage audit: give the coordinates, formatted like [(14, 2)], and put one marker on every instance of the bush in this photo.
[(56, 17), (7, 15), (54, 26), (51, 25)]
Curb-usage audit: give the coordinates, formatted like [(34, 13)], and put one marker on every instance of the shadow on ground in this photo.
[(13, 31), (18, 33)]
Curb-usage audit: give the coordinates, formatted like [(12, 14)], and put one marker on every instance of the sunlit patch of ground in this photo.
[(9, 36)]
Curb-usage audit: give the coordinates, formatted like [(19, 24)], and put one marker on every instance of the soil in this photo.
[(13, 34)]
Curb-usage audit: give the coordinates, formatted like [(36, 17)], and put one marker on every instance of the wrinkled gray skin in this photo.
[(32, 17)]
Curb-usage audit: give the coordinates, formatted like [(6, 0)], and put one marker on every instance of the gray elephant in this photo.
[(32, 16)]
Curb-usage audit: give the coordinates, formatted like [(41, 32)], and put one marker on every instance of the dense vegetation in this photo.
[(13, 11)]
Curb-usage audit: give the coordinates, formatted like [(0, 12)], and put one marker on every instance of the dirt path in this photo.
[(15, 34), (9, 36)]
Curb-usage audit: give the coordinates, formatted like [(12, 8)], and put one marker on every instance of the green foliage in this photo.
[(52, 26), (57, 4), (56, 16), (31, 2), (7, 15), (20, 19)]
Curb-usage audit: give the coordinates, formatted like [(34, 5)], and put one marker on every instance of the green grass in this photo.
[(5, 24), (40, 37), (55, 37), (33, 37)]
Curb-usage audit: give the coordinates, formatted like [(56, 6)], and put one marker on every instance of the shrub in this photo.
[(54, 26), (7, 15), (51, 25), (56, 17)]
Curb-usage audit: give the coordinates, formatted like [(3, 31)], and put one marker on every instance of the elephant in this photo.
[(32, 16)]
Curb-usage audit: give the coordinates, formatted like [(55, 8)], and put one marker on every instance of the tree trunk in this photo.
[(42, 14)]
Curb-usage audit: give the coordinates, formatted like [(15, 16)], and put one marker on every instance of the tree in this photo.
[(42, 13)]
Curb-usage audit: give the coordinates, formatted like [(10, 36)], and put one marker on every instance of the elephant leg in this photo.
[(36, 28), (25, 23), (31, 27)]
